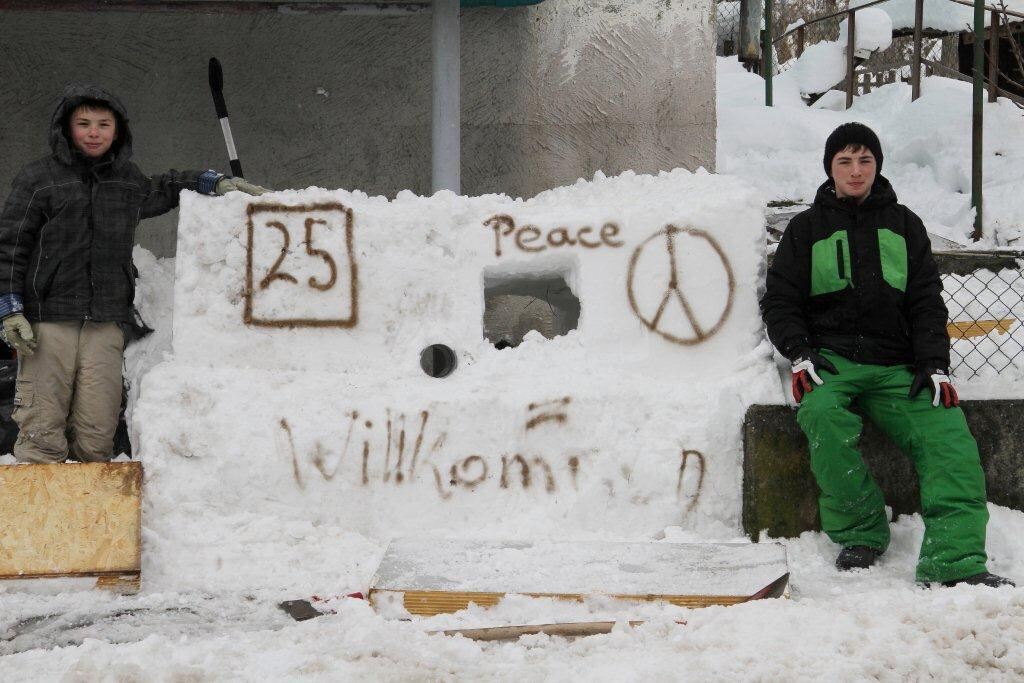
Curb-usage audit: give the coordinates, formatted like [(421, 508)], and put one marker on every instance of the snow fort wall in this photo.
[(296, 393)]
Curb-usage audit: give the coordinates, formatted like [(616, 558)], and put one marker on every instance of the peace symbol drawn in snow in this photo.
[(703, 312)]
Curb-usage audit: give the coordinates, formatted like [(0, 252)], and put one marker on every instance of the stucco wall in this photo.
[(550, 93)]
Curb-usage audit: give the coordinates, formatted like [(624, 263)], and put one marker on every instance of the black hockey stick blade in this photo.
[(216, 74)]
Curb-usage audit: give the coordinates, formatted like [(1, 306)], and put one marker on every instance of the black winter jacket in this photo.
[(68, 226), (859, 280)]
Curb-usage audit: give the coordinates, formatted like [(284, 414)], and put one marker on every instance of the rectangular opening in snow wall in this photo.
[(516, 303)]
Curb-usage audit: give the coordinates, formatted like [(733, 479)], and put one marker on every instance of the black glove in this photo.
[(942, 388), (806, 365)]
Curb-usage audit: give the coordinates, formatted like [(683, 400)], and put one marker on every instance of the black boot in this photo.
[(982, 579), (856, 557)]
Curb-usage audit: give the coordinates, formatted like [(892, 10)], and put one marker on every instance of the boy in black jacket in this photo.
[(66, 275), (854, 300)]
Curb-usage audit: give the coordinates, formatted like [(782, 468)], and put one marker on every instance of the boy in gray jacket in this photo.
[(67, 281)]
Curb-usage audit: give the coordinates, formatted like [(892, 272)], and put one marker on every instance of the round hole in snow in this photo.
[(438, 360)]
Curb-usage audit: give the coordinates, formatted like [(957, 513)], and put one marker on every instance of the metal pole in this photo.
[(851, 43), (993, 56), (977, 117), (915, 70), (446, 142), (767, 59), (750, 31)]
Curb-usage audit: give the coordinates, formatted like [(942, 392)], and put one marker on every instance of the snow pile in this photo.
[(823, 65), (927, 147), (873, 31), (867, 625), (296, 434), (818, 69)]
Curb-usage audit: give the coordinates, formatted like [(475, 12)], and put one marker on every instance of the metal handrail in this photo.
[(967, 3), (827, 17), (991, 8)]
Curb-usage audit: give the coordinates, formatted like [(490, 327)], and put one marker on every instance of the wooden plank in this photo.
[(436, 576), (567, 630), (968, 329), (431, 603), (71, 520)]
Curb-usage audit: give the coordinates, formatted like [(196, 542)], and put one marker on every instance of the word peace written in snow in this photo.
[(312, 284), (530, 238)]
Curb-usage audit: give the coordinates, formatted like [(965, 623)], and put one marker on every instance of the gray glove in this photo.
[(225, 185), (18, 334)]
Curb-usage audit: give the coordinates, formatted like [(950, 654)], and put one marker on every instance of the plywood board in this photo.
[(969, 329), (70, 519), (432, 576)]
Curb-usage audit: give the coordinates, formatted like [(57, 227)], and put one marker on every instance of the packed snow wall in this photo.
[(296, 391)]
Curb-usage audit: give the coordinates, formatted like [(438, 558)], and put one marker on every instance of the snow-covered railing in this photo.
[(789, 47), (815, 75)]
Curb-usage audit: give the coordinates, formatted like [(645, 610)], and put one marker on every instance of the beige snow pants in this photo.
[(69, 390)]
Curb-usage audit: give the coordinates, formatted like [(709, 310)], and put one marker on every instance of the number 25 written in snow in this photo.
[(276, 273)]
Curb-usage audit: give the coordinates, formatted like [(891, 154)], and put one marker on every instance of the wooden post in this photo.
[(993, 56), (799, 42), (915, 64), (851, 42)]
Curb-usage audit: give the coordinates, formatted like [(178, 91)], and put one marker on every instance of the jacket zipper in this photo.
[(94, 180), (839, 260)]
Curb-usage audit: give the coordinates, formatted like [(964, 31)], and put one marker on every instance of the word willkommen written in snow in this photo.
[(300, 266), (533, 239), (393, 453), (397, 450)]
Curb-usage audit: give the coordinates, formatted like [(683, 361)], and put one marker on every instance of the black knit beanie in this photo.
[(856, 134)]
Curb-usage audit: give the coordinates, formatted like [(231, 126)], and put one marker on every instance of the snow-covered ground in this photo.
[(216, 564)]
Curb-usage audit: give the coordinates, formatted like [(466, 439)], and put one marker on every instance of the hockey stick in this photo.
[(217, 90)]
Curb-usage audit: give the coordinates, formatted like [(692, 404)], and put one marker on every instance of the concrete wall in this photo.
[(550, 93), (780, 495)]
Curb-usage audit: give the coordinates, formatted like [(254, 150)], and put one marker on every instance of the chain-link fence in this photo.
[(727, 25), (794, 40), (984, 294), (985, 297)]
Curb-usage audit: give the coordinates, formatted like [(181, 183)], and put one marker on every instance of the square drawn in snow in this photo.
[(300, 267)]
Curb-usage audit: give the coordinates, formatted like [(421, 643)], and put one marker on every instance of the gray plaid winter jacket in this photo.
[(68, 226)]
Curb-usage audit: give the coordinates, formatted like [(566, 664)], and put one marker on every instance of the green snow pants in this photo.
[(939, 443)]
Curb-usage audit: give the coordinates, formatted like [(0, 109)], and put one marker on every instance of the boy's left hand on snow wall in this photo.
[(942, 388), (225, 185)]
